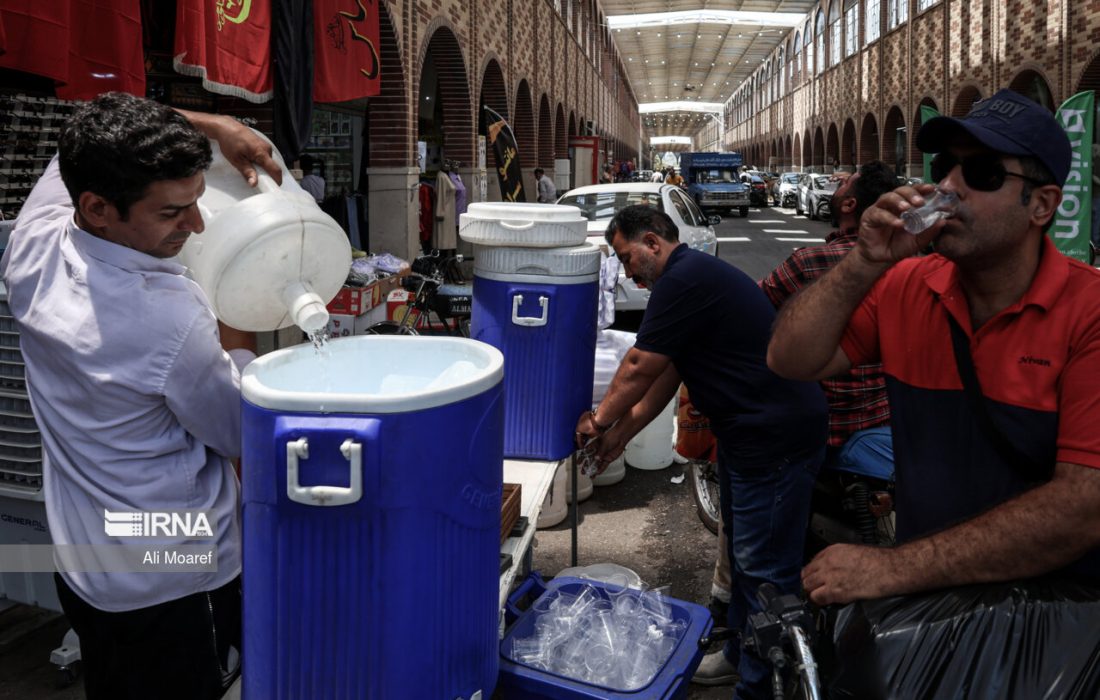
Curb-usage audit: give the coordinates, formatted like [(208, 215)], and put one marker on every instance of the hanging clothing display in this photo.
[(460, 195), (427, 211), (446, 236)]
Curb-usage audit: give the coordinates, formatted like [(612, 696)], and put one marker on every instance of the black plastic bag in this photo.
[(1026, 639)]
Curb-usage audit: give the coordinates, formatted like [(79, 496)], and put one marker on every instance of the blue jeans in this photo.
[(765, 512)]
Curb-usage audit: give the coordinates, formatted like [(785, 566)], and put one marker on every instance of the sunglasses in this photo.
[(983, 172)]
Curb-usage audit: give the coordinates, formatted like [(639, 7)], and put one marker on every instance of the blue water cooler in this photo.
[(538, 307), (371, 480)]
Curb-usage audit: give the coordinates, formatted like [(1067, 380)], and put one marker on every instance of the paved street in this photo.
[(758, 243), (646, 522)]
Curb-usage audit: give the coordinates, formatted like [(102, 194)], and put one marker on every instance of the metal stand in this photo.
[(574, 507)]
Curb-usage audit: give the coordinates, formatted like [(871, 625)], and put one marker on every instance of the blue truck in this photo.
[(713, 181)]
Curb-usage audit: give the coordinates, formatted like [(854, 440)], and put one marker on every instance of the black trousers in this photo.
[(174, 650)]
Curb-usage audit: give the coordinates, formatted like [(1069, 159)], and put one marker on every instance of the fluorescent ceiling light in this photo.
[(683, 106), (660, 19), (659, 140)]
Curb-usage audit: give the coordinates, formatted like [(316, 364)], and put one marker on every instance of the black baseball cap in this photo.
[(1008, 123)]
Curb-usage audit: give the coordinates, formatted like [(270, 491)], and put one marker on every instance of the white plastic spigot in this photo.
[(305, 306)]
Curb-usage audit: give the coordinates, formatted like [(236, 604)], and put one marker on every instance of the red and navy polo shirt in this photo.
[(1038, 364)]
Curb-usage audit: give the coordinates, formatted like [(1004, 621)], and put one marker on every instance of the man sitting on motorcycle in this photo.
[(1001, 481), (857, 398)]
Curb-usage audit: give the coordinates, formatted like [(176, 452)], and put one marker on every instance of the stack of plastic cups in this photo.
[(615, 637)]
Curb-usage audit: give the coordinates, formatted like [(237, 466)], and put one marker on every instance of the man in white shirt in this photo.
[(136, 400), (311, 182), (547, 191)]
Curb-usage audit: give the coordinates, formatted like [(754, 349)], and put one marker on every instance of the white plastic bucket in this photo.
[(269, 257), (651, 448), (615, 472)]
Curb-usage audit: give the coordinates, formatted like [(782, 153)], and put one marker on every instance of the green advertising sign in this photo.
[(927, 113), (1073, 221)]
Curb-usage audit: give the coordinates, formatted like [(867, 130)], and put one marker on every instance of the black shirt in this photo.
[(714, 322)]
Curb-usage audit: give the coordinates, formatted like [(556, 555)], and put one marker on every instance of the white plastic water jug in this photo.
[(651, 448), (269, 256)]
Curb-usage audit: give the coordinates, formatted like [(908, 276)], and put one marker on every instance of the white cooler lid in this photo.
[(522, 225), (579, 261)]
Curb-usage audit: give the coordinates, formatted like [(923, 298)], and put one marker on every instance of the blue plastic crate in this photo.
[(519, 681)]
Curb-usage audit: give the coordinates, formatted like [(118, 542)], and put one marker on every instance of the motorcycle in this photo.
[(853, 499)]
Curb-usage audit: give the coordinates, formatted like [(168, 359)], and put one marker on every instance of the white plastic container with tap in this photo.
[(269, 257)]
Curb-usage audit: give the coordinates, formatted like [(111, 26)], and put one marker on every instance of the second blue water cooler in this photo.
[(538, 307)]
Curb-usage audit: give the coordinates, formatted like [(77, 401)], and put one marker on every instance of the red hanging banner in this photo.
[(105, 49), (228, 44), (85, 46), (37, 37), (347, 62)]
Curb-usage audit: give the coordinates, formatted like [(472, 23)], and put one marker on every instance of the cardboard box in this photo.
[(354, 301), (397, 304), (340, 325)]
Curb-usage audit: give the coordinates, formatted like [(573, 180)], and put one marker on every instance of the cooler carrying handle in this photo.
[(324, 495), (518, 226), (530, 321)]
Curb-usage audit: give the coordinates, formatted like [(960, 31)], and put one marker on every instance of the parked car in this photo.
[(598, 203), (785, 189), (769, 180), (758, 189), (805, 184), (820, 196)]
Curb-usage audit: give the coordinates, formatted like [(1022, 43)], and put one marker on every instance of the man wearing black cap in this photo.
[(998, 475)]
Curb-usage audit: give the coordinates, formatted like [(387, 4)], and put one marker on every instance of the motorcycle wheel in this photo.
[(391, 328), (704, 489)]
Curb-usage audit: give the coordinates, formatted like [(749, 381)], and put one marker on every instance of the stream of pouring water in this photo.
[(319, 339)]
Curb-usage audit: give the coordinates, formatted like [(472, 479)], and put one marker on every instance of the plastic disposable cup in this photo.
[(641, 669), (599, 661), (940, 206)]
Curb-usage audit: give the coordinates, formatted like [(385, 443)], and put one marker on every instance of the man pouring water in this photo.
[(991, 350), (137, 402)]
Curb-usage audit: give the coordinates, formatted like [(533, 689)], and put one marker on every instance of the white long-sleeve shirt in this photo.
[(547, 191), (137, 403)]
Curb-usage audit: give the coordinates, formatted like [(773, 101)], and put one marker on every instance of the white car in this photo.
[(598, 203)]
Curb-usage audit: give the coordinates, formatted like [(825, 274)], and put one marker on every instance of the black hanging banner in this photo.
[(506, 154)]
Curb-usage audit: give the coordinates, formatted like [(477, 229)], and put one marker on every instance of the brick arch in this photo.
[(453, 92), (1090, 76), (524, 126), (807, 152), (561, 136), (545, 134), (966, 98), (788, 153), (926, 102), (848, 144), (819, 149), (389, 134), (832, 145), (494, 94), (868, 139), (1031, 83), (890, 155), (572, 123)]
